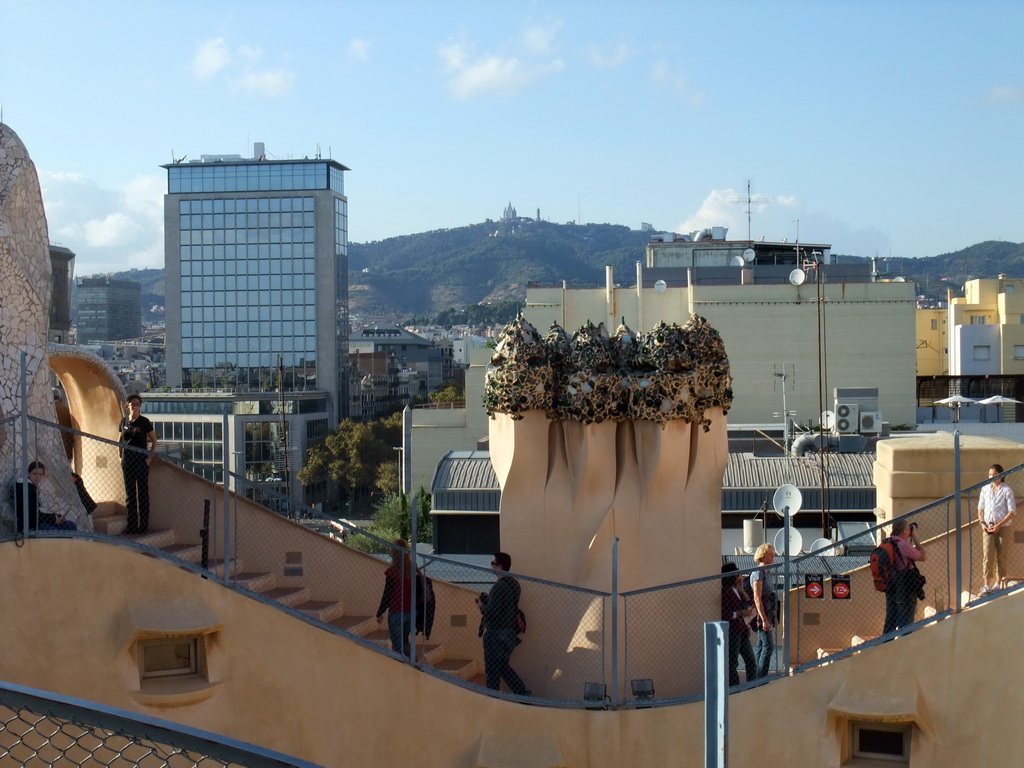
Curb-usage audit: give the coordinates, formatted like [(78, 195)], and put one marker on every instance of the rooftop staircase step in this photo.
[(256, 581), (861, 639), (479, 679), (155, 539), (379, 636), (432, 653), (290, 596), (360, 626), (111, 524), (824, 652), (216, 565), (464, 669), (322, 610), (190, 553)]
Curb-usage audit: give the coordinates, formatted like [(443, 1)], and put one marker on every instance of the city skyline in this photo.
[(883, 130)]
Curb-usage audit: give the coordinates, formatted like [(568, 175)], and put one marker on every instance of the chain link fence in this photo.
[(579, 648), (42, 729)]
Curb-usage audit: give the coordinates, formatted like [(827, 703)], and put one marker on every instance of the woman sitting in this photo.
[(38, 518)]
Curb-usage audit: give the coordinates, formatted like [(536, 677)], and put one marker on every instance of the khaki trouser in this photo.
[(992, 548)]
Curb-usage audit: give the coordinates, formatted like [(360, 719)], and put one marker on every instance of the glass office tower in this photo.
[(257, 276)]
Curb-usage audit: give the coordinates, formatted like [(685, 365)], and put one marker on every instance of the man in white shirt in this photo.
[(996, 505)]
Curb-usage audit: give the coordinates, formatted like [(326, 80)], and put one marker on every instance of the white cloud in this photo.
[(473, 76), (108, 229), (540, 38), (1005, 94), (609, 58), (775, 217), (717, 210), (211, 57), (359, 49), (267, 82), (240, 68), (664, 75)]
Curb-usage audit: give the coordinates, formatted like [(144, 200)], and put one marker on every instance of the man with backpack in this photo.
[(500, 627), (901, 593)]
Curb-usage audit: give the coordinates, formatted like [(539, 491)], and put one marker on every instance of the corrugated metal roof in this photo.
[(842, 470), (472, 471), (465, 471)]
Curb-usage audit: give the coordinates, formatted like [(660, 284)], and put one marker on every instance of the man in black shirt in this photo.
[(500, 628), (137, 436)]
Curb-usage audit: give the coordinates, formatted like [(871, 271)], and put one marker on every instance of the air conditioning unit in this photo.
[(847, 418), (870, 422)]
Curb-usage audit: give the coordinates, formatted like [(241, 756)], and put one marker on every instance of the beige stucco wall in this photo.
[(932, 342), (913, 471), (291, 687), (435, 431), (869, 331)]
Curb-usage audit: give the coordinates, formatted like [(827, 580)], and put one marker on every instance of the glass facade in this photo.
[(248, 294), (200, 442), (254, 177)]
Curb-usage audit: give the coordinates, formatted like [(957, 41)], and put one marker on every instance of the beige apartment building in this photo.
[(986, 328), (789, 336)]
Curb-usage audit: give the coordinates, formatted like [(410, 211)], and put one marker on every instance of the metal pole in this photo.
[(716, 694), (615, 620), (959, 520), (413, 585), (787, 577), (226, 553), (406, 465), (24, 444)]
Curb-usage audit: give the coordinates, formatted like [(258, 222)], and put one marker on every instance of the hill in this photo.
[(422, 274)]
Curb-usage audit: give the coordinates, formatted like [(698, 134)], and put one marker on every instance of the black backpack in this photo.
[(520, 621)]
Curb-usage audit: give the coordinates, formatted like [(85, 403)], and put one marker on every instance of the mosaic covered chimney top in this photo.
[(672, 373)]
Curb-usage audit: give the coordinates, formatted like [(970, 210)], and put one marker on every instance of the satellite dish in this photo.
[(660, 286), (822, 547), (796, 542), (787, 496), (828, 419), (738, 261), (899, 279), (797, 277), (748, 255)]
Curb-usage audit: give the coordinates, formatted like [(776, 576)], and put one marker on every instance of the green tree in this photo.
[(388, 479), (353, 454), (392, 519), (448, 395)]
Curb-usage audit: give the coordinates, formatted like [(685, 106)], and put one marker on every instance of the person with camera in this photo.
[(996, 505), (902, 594), (499, 628)]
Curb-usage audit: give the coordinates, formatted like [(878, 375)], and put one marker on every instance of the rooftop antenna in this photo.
[(749, 200)]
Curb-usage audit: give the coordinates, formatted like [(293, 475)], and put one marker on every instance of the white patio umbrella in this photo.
[(954, 402), (997, 400)]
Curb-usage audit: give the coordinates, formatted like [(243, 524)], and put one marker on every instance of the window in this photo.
[(171, 657), (977, 319), (935, 325), (1018, 351), (1008, 289), (881, 741), (983, 352)]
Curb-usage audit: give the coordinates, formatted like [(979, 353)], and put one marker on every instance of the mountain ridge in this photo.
[(425, 273)]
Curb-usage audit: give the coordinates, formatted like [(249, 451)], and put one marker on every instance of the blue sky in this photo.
[(885, 128)]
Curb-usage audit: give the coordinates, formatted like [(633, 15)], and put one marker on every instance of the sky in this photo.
[(890, 129)]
